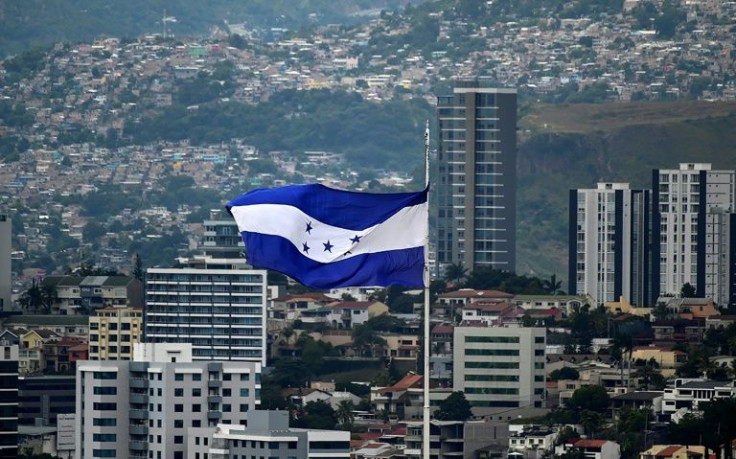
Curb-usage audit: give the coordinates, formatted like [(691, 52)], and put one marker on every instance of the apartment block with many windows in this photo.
[(144, 408), (500, 368), (476, 190), (113, 332)]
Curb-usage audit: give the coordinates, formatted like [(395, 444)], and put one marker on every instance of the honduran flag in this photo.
[(327, 238)]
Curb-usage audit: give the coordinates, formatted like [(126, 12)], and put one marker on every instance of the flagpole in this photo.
[(426, 413)]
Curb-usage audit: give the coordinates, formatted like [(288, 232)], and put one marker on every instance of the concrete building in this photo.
[(5, 251), (693, 231), (476, 189), (499, 368), (609, 246), (267, 435), (221, 312), (113, 332), (458, 439), (690, 393), (43, 398), (211, 300), (143, 408), (9, 400), (82, 295)]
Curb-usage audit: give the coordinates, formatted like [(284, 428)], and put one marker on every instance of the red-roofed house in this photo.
[(347, 314), (403, 400), (591, 448), (676, 452), (487, 312), (290, 307)]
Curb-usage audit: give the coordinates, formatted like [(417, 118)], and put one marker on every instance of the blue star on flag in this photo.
[(328, 246), (309, 227), (305, 248), (355, 240)]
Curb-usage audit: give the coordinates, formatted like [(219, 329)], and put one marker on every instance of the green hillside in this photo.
[(29, 23), (575, 146)]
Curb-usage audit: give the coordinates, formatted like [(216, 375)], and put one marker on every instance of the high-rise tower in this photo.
[(693, 222), (609, 250), (476, 189)]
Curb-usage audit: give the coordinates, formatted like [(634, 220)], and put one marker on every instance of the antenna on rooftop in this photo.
[(164, 20)]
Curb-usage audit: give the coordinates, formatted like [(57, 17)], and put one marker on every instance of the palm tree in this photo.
[(32, 299), (455, 273), (552, 286), (344, 413)]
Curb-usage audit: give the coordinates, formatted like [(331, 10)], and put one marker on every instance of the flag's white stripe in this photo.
[(405, 229)]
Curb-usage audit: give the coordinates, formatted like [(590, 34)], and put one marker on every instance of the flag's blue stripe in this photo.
[(344, 209), (396, 267)]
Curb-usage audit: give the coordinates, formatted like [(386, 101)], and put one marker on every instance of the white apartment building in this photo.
[(689, 393), (692, 223), (609, 243), (144, 408), (221, 312), (500, 368), (267, 435)]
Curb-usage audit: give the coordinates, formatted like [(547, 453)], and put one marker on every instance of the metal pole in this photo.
[(426, 413)]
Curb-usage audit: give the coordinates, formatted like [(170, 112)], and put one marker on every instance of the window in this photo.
[(197, 377), (196, 392), (196, 408), (227, 392), (105, 375), (105, 390), (227, 377), (97, 406), (244, 408), (104, 437), (178, 408), (196, 423), (178, 392), (245, 376), (226, 407), (244, 392), (108, 422), (104, 453), (178, 439), (179, 377)]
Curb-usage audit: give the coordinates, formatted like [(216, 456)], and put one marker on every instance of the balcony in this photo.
[(214, 399), (138, 414), (138, 445), (214, 415), (138, 429), (139, 399), (214, 383), (138, 383)]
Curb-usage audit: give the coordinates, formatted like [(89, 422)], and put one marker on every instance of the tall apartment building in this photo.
[(211, 300), (5, 251), (609, 250), (8, 400), (221, 312), (500, 368), (144, 408), (694, 237), (268, 435), (113, 332), (476, 189), (43, 398)]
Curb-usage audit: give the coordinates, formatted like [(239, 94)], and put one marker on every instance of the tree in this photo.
[(552, 285), (564, 373), (589, 398), (687, 291), (454, 408), (316, 415), (455, 273), (344, 414), (138, 268)]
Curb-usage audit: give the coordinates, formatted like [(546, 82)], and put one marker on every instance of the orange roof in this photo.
[(410, 380), (669, 451), (589, 443)]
